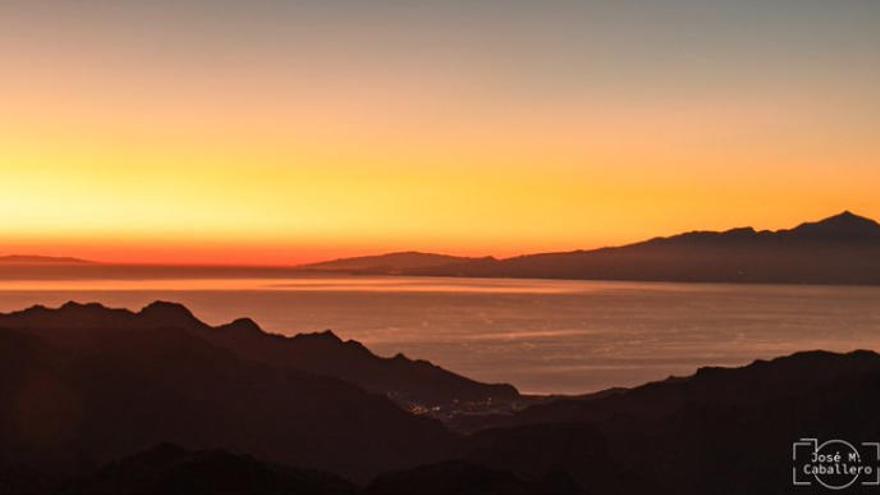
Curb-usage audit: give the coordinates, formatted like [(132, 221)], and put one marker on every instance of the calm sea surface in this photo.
[(542, 336)]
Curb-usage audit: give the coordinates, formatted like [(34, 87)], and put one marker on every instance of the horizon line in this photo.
[(50, 260)]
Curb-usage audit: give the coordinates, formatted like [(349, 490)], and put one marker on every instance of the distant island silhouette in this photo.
[(842, 249), (100, 400), (32, 259), (390, 263)]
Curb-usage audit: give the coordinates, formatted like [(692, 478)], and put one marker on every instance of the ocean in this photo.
[(543, 336)]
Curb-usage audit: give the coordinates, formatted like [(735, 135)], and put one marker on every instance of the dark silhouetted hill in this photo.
[(171, 470), (412, 383), (456, 477), (721, 431), (415, 384), (168, 469), (843, 249), (83, 384)]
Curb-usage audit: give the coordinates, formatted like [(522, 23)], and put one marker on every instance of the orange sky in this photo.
[(284, 137)]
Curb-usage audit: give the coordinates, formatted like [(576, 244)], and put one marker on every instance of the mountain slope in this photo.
[(414, 384), (84, 384), (169, 469), (457, 477), (723, 431), (843, 249)]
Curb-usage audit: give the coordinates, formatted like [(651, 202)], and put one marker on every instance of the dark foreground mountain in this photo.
[(721, 431), (391, 263), (843, 249), (458, 477), (171, 470), (416, 384), (83, 384)]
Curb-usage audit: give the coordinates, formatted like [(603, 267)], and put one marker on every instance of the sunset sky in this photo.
[(270, 131)]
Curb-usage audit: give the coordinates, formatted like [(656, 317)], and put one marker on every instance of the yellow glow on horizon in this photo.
[(215, 140), (262, 203)]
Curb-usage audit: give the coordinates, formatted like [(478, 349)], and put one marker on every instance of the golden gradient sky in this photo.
[(283, 132)]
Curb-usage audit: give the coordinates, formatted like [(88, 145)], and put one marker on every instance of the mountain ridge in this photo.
[(735, 425), (413, 384), (842, 249), (85, 386)]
